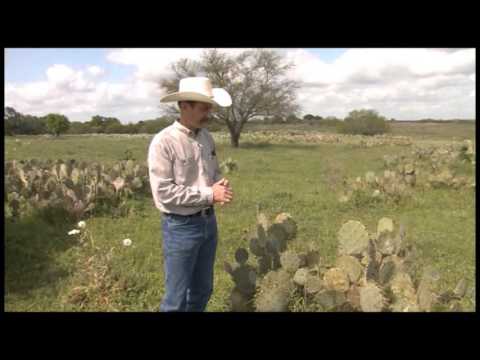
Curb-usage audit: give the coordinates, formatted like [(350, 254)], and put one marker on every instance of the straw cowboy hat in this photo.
[(199, 89)]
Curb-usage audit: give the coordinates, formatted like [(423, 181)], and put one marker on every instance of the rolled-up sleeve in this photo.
[(162, 180)]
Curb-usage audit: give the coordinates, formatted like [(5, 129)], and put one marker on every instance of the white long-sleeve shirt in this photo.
[(182, 166)]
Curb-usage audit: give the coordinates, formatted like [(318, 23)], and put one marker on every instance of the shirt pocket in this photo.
[(185, 170)]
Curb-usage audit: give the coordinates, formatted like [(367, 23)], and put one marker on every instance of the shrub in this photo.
[(364, 122)]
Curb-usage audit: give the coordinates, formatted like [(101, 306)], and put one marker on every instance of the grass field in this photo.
[(417, 130), (44, 266)]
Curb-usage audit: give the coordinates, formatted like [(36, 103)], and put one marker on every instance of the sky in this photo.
[(400, 83)]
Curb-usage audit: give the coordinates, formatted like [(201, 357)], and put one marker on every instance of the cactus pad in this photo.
[(353, 238)]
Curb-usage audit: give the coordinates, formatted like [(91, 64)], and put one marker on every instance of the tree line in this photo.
[(367, 122), (16, 123)]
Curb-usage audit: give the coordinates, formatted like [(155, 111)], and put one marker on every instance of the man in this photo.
[(186, 182)]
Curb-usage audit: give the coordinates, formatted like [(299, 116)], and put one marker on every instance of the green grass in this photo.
[(106, 149), (435, 131), (43, 262)]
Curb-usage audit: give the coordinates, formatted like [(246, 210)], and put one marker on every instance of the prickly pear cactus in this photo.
[(387, 271), (353, 297), (272, 300), (461, 288), (404, 294), (244, 277), (387, 243), (256, 248), (240, 302), (278, 233), (262, 220), (312, 258), (381, 281), (385, 225), (300, 277), (241, 256), (278, 244), (330, 300), (336, 279), (313, 284), (290, 261), (353, 238), (372, 298), (374, 259), (286, 221), (264, 264), (351, 266), (274, 292)]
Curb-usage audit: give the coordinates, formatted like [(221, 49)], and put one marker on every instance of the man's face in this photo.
[(197, 113)]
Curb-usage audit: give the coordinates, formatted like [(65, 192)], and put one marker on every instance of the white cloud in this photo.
[(79, 97), (399, 83), (153, 64), (60, 74), (95, 70)]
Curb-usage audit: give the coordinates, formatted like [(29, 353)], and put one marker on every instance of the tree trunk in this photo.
[(235, 140)]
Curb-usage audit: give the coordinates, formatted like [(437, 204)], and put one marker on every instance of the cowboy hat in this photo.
[(199, 89)]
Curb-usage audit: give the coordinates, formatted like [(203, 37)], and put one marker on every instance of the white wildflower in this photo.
[(376, 193), (127, 242), (82, 224), (74, 232)]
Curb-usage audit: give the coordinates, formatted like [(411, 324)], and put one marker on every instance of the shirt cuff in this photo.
[(207, 194)]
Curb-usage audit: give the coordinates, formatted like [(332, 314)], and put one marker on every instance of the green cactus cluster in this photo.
[(268, 243), (288, 137), (244, 277), (270, 239), (425, 168), (437, 164), (77, 187), (392, 185), (373, 272)]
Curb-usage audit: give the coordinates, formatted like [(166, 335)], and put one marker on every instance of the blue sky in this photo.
[(328, 54), (406, 84), (29, 64), (24, 65)]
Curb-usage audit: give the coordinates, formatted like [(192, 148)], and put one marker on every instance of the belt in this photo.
[(204, 212)]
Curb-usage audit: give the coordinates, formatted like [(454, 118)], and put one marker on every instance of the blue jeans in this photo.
[(189, 246)]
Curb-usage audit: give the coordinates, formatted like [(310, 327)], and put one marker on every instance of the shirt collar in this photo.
[(184, 129)]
